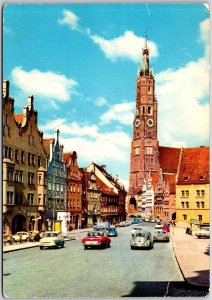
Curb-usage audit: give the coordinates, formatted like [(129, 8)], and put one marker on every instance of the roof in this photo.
[(194, 166), (46, 144), (19, 118), (104, 188), (69, 155), (169, 159)]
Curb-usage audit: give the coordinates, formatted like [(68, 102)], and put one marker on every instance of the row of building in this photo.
[(42, 183)]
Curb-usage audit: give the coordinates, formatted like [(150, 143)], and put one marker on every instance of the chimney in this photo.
[(6, 85), (25, 115), (30, 102), (104, 167)]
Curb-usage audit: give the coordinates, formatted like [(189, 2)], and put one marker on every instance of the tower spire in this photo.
[(145, 58)]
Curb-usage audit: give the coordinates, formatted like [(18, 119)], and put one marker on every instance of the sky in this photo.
[(80, 63)]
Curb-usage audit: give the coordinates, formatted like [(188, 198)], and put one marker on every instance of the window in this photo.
[(30, 198), (33, 159), (29, 158), (203, 204), (9, 174), (9, 197), (143, 109), (137, 150), (39, 179), (8, 152), (22, 156), (183, 193), (183, 204), (202, 193), (16, 155), (149, 109), (30, 178), (39, 161), (187, 204), (16, 175), (198, 193), (184, 217), (187, 193), (200, 217), (21, 179), (198, 204), (39, 199)]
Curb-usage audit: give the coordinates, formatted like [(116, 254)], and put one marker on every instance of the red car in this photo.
[(96, 239), (166, 228)]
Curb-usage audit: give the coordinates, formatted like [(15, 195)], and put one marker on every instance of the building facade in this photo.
[(74, 190), (55, 180), (24, 168)]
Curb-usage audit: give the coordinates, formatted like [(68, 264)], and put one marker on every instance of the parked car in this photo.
[(141, 239), (123, 224), (161, 235), (101, 225), (51, 239), (135, 221), (20, 236), (96, 239), (136, 229), (166, 227), (203, 232), (158, 226)]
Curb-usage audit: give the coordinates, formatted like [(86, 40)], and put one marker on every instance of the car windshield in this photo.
[(95, 234), (50, 234), (205, 228)]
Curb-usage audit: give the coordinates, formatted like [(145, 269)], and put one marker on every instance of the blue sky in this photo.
[(80, 62)]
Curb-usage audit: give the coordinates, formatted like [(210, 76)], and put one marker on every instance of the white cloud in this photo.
[(122, 113), (204, 34), (44, 84), (127, 46), (72, 129), (70, 19), (101, 101)]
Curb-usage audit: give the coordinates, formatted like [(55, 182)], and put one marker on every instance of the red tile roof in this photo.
[(194, 167), (105, 189), (169, 159), (19, 118)]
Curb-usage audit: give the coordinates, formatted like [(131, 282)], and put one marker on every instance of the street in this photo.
[(74, 272)]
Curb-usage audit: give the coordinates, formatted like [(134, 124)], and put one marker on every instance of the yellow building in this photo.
[(24, 168), (193, 187)]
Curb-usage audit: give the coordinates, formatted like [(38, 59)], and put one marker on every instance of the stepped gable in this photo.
[(19, 118), (169, 159), (194, 167), (67, 156)]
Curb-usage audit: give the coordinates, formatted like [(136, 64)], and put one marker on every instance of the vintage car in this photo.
[(166, 227), (136, 229), (51, 239), (203, 232), (123, 224), (141, 239), (20, 236), (112, 232), (96, 239), (161, 235), (158, 226)]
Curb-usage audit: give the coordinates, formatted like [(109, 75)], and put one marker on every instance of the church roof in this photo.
[(169, 159), (194, 166)]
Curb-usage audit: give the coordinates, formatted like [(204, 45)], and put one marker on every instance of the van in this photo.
[(101, 225)]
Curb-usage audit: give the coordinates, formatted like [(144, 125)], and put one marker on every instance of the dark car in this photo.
[(136, 221), (112, 232), (96, 239)]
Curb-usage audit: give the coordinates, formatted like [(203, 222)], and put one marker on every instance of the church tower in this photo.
[(144, 146)]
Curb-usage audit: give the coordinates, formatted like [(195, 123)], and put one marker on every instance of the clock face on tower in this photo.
[(150, 122), (137, 122)]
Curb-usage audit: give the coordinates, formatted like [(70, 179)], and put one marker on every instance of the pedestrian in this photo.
[(10, 240), (37, 237)]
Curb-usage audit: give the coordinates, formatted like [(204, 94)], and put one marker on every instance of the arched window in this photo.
[(143, 109), (149, 109)]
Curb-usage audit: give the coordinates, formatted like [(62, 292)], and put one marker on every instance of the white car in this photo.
[(51, 239), (203, 232), (136, 229), (20, 236), (158, 226)]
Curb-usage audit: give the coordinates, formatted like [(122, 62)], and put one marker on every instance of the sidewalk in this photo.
[(193, 256)]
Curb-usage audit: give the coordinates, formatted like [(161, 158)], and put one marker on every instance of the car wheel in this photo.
[(132, 248), (62, 245), (41, 247), (85, 247)]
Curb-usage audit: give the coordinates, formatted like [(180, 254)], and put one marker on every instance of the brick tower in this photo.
[(144, 157)]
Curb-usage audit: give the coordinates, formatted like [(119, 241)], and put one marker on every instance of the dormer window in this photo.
[(186, 178), (201, 177)]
